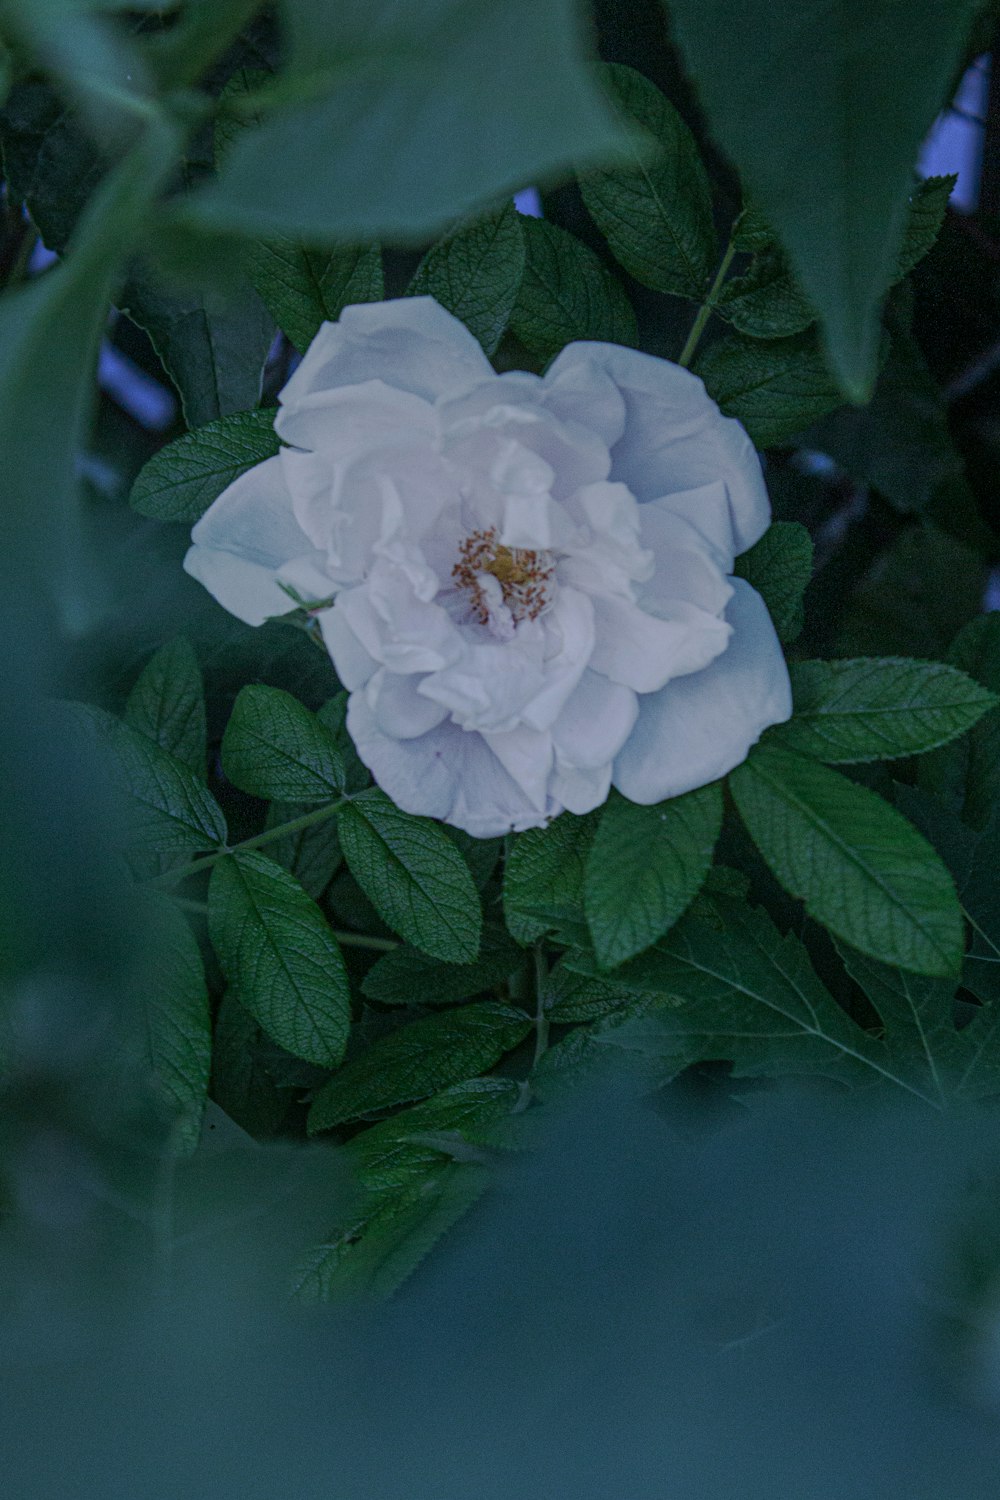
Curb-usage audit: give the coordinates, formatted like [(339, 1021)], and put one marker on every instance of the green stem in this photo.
[(171, 877), (707, 308), (362, 940), (541, 1016)]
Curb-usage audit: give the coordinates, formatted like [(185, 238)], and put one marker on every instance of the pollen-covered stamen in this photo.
[(524, 576)]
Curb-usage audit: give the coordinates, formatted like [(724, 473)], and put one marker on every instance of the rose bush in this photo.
[(523, 581)]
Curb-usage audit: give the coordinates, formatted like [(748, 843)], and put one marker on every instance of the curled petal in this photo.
[(242, 540), (675, 437), (448, 773), (410, 343), (643, 651), (699, 727)]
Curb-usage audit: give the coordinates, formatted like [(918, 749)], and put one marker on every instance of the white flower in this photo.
[(529, 576)]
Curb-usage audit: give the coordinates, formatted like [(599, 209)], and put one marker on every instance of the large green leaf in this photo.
[(394, 1153), (645, 866), (414, 876), (567, 293), (241, 1082), (419, 1059), (179, 1024), (280, 957), (171, 808), (475, 273), (544, 874), (779, 566), (775, 387), (167, 704), (212, 344), (274, 747), (859, 866), (408, 977), (823, 108), (733, 990), (375, 1253), (396, 118), (878, 708), (656, 211), (180, 482), (52, 327), (303, 287)]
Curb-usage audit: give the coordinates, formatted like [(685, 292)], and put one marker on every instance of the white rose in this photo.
[(529, 575)]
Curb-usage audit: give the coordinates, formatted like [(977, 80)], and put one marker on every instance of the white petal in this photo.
[(395, 627), (526, 756), (595, 723), (699, 727), (490, 685), (353, 662), (568, 643), (449, 773), (645, 651), (348, 419), (580, 390), (399, 709), (686, 566), (410, 343), (675, 437), (242, 540), (580, 791)]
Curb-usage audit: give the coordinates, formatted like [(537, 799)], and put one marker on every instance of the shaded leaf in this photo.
[(656, 211), (419, 1059), (775, 387), (475, 273), (414, 876), (303, 288), (280, 957), (544, 874), (645, 866), (567, 293), (180, 482), (167, 704), (274, 747), (779, 567), (860, 868), (408, 977)]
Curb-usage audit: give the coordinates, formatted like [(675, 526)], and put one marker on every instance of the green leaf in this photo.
[(567, 293), (419, 1059), (311, 854), (179, 1025), (779, 567), (767, 301), (655, 211), (544, 875), (863, 83), (376, 1253), (280, 957), (919, 1017), (475, 273), (397, 122), (167, 704), (303, 288), (212, 344), (408, 977), (976, 650), (52, 326), (735, 991), (860, 868), (274, 747), (574, 997), (645, 866), (241, 1083), (414, 876), (392, 1154), (180, 482), (775, 387), (928, 206), (171, 807), (878, 708), (899, 443)]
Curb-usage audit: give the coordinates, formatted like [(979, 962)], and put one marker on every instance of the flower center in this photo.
[(524, 576)]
